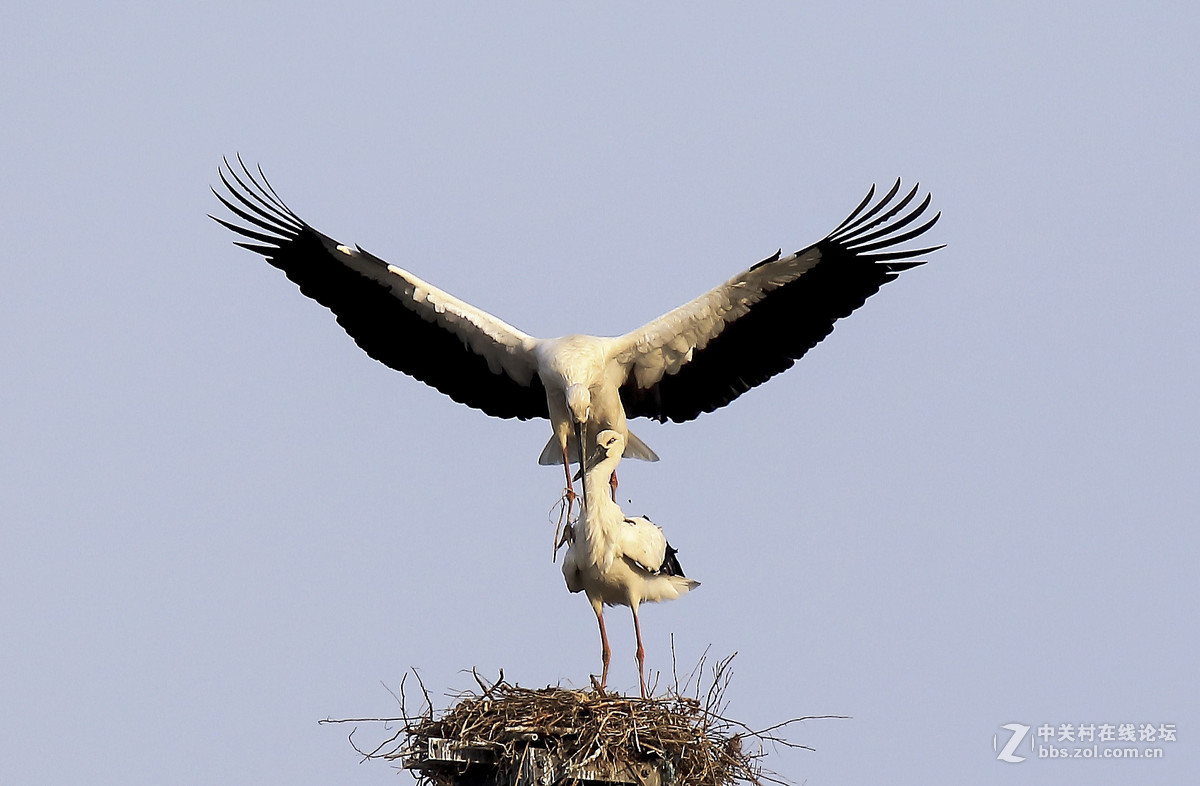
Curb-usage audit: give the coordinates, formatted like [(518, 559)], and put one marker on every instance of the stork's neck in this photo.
[(597, 482), (599, 512)]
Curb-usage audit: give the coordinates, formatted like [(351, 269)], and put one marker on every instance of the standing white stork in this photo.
[(693, 359), (618, 560)]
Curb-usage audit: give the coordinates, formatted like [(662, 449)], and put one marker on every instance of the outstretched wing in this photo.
[(711, 350), (397, 318)]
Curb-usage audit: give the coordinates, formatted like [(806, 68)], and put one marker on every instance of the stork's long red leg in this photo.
[(641, 653), (605, 652)]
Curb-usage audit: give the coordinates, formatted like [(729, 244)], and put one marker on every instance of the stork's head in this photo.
[(579, 402), (609, 443)]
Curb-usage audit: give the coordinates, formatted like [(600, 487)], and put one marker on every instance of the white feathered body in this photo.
[(617, 560), (587, 362)]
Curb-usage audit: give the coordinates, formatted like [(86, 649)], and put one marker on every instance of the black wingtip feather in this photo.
[(864, 221), (865, 249), (866, 236), (284, 221), (250, 233), (899, 223), (854, 213), (281, 233), (266, 251), (915, 252)]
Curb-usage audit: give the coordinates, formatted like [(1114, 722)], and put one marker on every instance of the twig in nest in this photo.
[(487, 691)]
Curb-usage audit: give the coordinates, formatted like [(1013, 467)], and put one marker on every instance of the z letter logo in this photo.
[(1018, 733)]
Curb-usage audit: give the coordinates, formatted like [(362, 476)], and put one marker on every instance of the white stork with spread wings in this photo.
[(691, 360)]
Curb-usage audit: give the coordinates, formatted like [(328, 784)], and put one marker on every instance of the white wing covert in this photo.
[(643, 542)]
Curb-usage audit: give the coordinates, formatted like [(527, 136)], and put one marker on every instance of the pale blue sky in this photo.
[(974, 504)]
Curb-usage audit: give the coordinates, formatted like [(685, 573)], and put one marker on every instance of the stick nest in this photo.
[(685, 737)]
